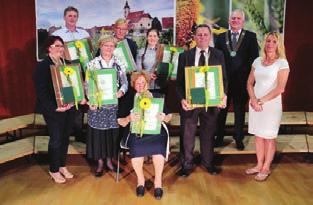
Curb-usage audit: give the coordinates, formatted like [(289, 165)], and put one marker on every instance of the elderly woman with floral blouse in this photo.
[(102, 140)]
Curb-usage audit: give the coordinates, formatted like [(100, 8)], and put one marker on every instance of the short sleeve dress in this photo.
[(149, 144), (266, 123)]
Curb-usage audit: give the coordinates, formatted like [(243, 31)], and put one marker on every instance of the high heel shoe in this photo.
[(57, 177), (64, 171), (158, 193), (140, 191), (99, 172)]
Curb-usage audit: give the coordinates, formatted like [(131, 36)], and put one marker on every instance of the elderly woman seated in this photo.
[(147, 145)]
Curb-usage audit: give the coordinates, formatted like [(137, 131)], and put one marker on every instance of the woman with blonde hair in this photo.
[(266, 83), (103, 129), (155, 145)]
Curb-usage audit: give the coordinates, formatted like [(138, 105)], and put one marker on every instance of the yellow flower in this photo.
[(79, 44), (173, 49), (145, 103), (68, 71), (203, 69)]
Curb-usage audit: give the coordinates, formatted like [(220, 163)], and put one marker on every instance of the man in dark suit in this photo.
[(240, 48), (201, 55)]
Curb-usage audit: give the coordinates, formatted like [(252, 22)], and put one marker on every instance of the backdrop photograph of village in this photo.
[(97, 17)]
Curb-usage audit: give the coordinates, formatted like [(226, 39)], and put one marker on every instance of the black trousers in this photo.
[(208, 120), (239, 100), (59, 127)]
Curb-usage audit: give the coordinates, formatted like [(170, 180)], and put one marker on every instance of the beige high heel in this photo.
[(64, 171), (57, 177)]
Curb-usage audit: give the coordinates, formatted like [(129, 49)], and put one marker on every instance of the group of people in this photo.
[(246, 78)]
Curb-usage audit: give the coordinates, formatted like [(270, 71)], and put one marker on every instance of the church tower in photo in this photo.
[(126, 10)]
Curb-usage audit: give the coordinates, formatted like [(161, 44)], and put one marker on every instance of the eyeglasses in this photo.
[(57, 46)]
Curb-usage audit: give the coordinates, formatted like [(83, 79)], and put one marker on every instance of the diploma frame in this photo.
[(123, 52), (154, 102), (95, 84), (60, 81), (83, 56), (172, 58), (213, 70)]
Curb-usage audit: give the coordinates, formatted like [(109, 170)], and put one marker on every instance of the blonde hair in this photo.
[(120, 21), (106, 38), (280, 52), (135, 75)]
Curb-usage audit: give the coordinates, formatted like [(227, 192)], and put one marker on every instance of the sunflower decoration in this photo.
[(173, 49), (68, 71), (204, 69), (78, 44), (145, 103)]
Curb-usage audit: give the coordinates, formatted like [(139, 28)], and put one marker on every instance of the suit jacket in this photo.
[(188, 59), (238, 67)]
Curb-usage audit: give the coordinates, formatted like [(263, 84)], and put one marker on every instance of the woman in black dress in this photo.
[(59, 119), (102, 141), (147, 145)]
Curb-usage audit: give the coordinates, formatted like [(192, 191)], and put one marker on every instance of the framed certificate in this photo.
[(122, 51), (79, 51), (149, 123), (170, 56), (67, 83), (102, 86), (204, 86)]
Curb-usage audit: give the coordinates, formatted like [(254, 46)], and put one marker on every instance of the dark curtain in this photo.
[(17, 57)]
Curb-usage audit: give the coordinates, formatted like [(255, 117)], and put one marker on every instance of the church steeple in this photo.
[(126, 9)]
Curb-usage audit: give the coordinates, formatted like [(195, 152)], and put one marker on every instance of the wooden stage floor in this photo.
[(291, 182)]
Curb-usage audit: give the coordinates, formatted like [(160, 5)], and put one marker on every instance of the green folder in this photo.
[(197, 95), (68, 94)]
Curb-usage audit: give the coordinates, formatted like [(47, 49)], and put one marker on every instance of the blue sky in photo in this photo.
[(98, 12)]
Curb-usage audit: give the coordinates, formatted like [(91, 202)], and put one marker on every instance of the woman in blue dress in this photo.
[(147, 145)]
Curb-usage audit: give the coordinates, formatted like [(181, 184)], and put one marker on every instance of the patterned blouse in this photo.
[(106, 117)]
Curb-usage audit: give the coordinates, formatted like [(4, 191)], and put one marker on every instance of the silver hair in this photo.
[(238, 11)]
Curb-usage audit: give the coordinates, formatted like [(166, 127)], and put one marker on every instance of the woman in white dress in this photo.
[(266, 83)]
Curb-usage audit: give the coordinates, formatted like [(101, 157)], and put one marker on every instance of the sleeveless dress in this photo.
[(266, 123)]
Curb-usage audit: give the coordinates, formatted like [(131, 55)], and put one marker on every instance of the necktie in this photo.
[(201, 59), (234, 39)]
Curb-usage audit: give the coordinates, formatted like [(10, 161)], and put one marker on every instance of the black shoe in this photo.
[(213, 170), (99, 173), (140, 191), (218, 143), (158, 193), (239, 145), (184, 172)]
